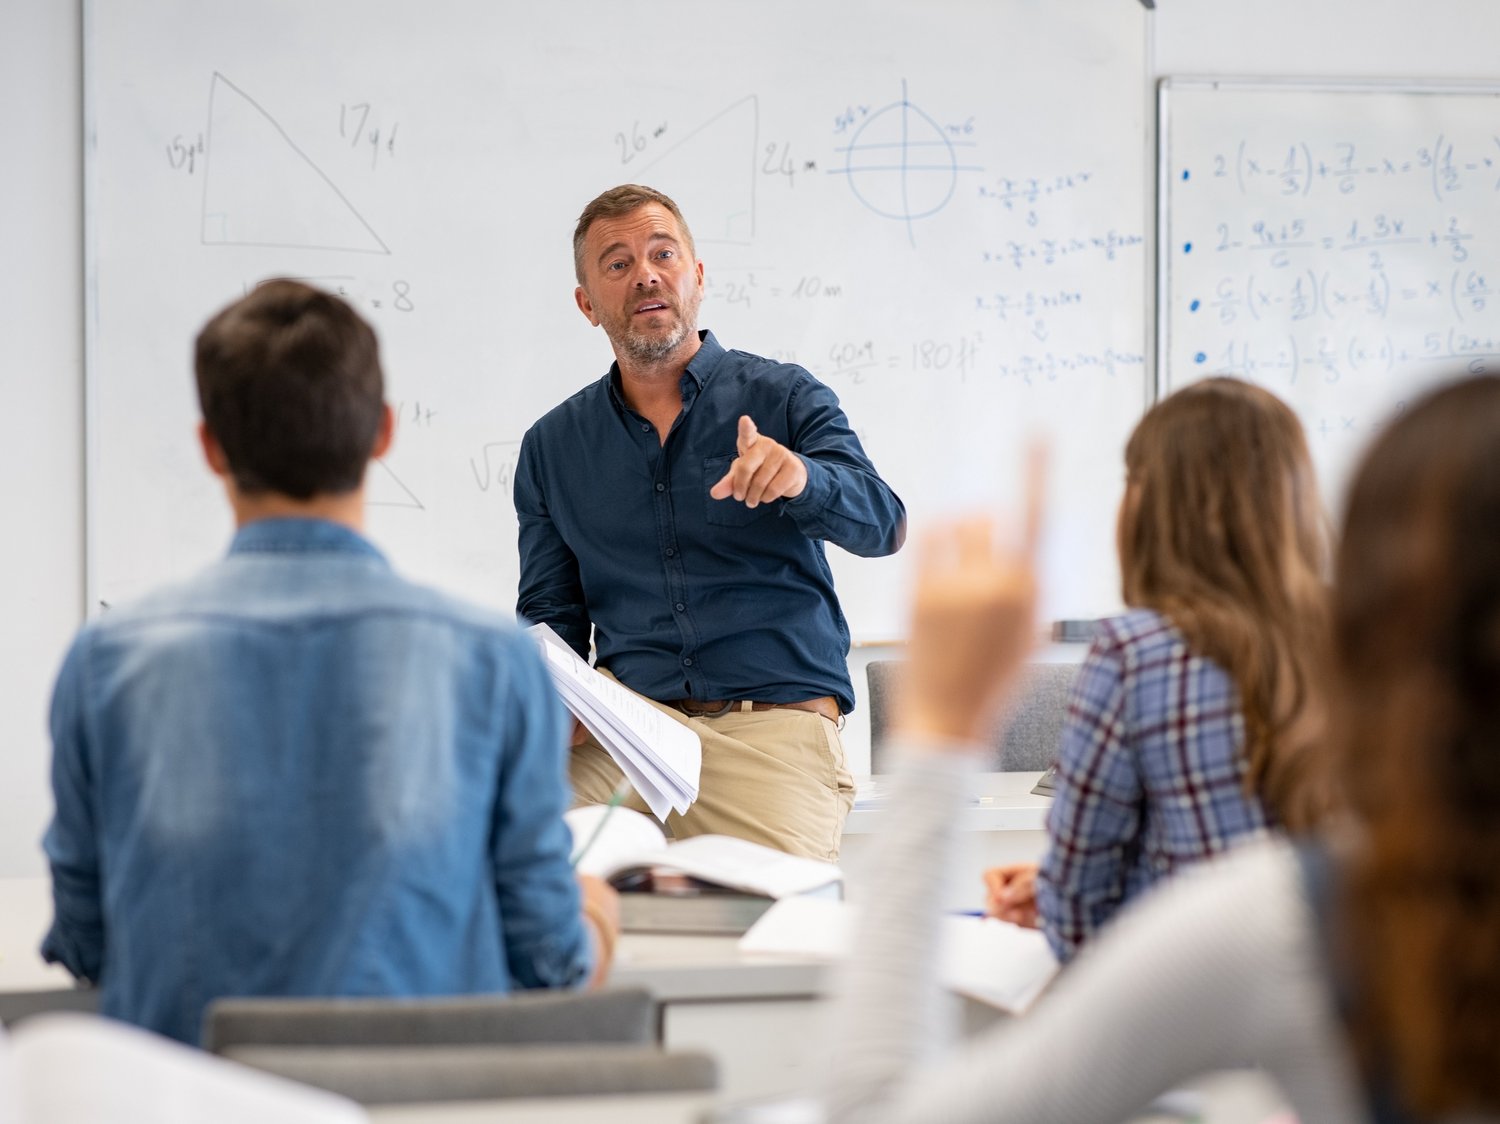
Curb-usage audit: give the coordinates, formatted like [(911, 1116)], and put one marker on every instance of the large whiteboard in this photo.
[(1339, 245), (940, 209)]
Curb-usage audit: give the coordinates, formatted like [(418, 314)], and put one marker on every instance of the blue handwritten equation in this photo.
[(1049, 251), (1344, 166)]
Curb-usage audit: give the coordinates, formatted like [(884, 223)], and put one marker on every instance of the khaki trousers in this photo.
[(776, 777)]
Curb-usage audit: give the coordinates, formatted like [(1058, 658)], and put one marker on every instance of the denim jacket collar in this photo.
[(302, 536)]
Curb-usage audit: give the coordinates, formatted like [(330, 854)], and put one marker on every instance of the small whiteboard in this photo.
[(1337, 244)]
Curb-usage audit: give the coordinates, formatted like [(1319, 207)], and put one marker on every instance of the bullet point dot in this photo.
[(1193, 307), (1187, 247), (1186, 173), (1200, 358)]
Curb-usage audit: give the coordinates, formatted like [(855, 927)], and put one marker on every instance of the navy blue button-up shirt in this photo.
[(692, 597)]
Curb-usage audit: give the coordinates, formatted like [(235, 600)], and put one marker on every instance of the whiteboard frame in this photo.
[(1165, 87)]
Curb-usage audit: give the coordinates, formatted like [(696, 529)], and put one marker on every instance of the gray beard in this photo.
[(650, 350)]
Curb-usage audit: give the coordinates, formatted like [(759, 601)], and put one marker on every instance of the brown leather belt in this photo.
[(827, 706)]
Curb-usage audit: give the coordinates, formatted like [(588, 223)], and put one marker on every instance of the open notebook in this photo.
[(628, 843), (70, 1068)]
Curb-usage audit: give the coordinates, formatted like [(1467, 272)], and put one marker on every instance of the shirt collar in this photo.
[(301, 536), (699, 367)]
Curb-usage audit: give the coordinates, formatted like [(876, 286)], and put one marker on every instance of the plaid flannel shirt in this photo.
[(1150, 776)]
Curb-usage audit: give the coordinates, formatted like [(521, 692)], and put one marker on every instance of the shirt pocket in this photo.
[(729, 512)]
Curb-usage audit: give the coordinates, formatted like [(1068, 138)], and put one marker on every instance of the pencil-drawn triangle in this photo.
[(260, 189), (711, 173), (383, 488)]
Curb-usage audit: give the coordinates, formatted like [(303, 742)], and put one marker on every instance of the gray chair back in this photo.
[(405, 1051), (1028, 735), (376, 1075), (620, 1015)]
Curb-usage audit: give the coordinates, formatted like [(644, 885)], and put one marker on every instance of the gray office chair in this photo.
[(1028, 736), (391, 1051), (18, 1005)]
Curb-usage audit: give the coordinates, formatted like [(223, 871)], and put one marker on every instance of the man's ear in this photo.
[(213, 452), (385, 434), (585, 305)]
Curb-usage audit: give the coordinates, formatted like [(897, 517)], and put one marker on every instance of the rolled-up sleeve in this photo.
[(845, 501), (76, 938)]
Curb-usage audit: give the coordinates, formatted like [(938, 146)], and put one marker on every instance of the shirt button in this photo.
[(687, 661), (680, 607), (661, 487), (671, 553), (645, 427)]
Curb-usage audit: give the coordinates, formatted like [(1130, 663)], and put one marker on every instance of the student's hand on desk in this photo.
[(1010, 894), (601, 912), (764, 470), (577, 735), (973, 621)]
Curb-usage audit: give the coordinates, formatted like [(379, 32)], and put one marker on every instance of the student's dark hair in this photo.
[(1416, 715), (1223, 533), (619, 201), (290, 386)]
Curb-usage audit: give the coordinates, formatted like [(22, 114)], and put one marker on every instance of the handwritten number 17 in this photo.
[(363, 109)]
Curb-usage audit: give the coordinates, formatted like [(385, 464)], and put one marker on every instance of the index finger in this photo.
[(748, 433)]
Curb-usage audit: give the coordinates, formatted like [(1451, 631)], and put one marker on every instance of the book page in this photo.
[(615, 838), (743, 865)]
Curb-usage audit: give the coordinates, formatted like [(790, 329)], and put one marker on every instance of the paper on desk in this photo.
[(991, 960), (661, 758)]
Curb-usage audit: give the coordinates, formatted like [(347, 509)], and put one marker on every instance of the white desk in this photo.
[(754, 1013), (757, 1014)]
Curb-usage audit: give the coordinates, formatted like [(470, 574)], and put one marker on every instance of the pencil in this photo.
[(616, 798)]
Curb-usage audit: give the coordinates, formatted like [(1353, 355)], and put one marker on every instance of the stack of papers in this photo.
[(993, 961), (661, 758)]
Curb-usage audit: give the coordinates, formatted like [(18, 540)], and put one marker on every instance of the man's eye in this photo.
[(664, 253), (615, 265)]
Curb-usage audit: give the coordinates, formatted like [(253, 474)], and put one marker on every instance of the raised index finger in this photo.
[(748, 433)]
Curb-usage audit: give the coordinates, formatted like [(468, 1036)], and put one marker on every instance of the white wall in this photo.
[(41, 396), (41, 290)]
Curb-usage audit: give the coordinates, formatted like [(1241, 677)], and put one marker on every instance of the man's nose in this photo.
[(646, 275)]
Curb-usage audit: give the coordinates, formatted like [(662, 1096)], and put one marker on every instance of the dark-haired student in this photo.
[(298, 773), (1361, 972), (1192, 712)]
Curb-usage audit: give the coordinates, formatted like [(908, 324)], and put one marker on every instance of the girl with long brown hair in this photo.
[(1191, 711), (1359, 972)]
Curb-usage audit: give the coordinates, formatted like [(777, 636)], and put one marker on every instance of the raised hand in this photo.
[(973, 621)]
